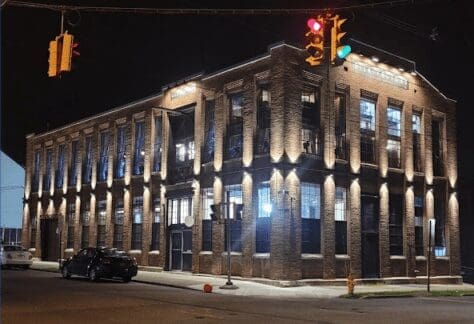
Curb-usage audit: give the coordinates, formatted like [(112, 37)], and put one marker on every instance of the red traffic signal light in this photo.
[(314, 25)]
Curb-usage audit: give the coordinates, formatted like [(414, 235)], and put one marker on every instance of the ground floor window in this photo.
[(396, 224), (137, 223), (102, 214), (233, 194), (85, 236), (310, 218), (155, 226), (118, 225), (419, 225), (70, 225), (33, 232), (207, 197), (263, 226), (179, 209), (341, 220)]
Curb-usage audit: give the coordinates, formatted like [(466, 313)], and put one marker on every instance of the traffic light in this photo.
[(54, 51), (66, 53), (238, 211), (338, 51), (216, 214), (315, 38)]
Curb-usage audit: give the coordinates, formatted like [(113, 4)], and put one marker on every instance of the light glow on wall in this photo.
[(183, 90)]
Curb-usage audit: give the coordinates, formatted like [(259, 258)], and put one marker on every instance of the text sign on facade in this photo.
[(380, 74)]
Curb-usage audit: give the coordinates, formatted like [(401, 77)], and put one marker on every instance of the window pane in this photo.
[(237, 102), (340, 205), (59, 179), (87, 161), (310, 200), (234, 194), (207, 201), (416, 123), (139, 148), (104, 156), (393, 120), (137, 210), (120, 159), (47, 171), (367, 115), (264, 202), (73, 166), (157, 145), (37, 167)]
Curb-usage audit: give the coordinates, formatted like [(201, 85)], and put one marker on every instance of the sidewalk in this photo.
[(248, 287)]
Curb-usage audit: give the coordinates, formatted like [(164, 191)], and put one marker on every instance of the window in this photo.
[(178, 210), (120, 158), (233, 194), (341, 220), (59, 178), (416, 132), (209, 132), (263, 121), (207, 200), (155, 225), (139, 154), (310, 218), (33, 229), (436, 133), (73, 165), (87, 161), (308, 98), (182, 128), (104, 157), (367, 115), (419, 225), (393, 151), (47, 170), (85, 215), (118, 225), (396, 224), (439, 215), (340, 109), (311, 138), (310, 142), (263, 226), (137, 223), (157, 145), (36, 171), (393, 120), (101, 219), (234, 129), (71, 215)]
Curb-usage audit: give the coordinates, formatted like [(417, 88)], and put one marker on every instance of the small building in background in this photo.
[(12, 177)]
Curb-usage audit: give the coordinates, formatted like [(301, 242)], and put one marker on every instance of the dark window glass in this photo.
[(137, 223), (139, 154), (103, 164), (118, 225), (311, 137), (155, 226), (207, 200), (263, 226), (101, 218), (210, 133), (340, 107), (73, 165), (59, 178), (121, 147), (233, 194), (157, 145), (47, 170), (87, 161), (310, 218), (416, 131), (438, 162), (396, 224), (394, 152), (341, 220), (33, 231), (182, 145), (71, 215), (440, 217), (234, 129), (367, 147), (36, 171), (394, 116), (367, 129), (419, 225), (263, 121), (85, 215)]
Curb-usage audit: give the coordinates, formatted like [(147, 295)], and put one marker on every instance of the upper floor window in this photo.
[(308, 98), (209, 132), (367, 115), (157, 145), (74, 161), (236, 105), (393, 120), (437, 142), (120, 158), (416, 123), (87, 161), (264, 200), (182, 132), (310, 200), (36, 170), (59, 178), (233, 194), (340, 205), (139, 154), (311, 111), (340, 125), (104, 156), (234, 129), (207, 201), (47, 170)]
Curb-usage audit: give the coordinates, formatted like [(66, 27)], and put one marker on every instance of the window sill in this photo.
[(154, 252), (369, 165), (342, 257), (233, 253), (398, 257), (261, 255), (396, 170), (205, 253), (135, 252), (32, 250), (310, 256), (341, 161), (69, 250), (445, 258), (420, 258)]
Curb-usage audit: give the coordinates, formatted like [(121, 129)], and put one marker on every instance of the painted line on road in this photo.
[(449, 300)]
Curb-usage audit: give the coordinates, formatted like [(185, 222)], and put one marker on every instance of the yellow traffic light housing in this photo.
[(336, 36), (53, 58), (66, 53), (315, 38)]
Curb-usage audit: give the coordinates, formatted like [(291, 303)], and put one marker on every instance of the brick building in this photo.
[(338, 168)]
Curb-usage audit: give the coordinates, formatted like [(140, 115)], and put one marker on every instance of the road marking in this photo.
[(449, 300)]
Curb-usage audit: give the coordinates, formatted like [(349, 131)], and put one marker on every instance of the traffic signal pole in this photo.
[(228, 204)]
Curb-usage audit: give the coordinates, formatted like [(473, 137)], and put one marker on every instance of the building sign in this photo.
[(380, 74), (183, 90)]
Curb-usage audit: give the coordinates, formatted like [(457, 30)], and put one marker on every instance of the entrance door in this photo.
[(370, 236), (49, 240), (176, 243)]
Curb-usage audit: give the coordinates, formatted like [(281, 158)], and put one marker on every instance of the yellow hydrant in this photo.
[(350, 285)]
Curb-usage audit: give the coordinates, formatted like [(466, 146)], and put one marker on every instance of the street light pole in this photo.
[(228, 205)]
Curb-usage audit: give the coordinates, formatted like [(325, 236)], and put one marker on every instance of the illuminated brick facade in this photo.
[(285, 140)]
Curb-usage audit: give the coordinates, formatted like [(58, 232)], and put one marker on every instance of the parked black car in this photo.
[(98, 263)]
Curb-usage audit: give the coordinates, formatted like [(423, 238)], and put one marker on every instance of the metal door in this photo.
[(176, 250), (370, 236), (49, 239)]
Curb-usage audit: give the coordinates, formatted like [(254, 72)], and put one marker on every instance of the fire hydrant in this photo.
[(350, 285)]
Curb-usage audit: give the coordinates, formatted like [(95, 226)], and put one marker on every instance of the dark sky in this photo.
[(128, 56)]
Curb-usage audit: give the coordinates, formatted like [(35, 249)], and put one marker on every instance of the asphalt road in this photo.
[(43, 297)]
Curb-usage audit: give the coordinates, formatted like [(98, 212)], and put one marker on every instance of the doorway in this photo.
[(49, 239), (370, 236), (181, 256)]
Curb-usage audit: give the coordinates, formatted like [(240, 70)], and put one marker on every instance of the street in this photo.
[(44, 297)]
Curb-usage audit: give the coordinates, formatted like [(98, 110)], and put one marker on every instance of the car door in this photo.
[(86, 259), (73, 266)]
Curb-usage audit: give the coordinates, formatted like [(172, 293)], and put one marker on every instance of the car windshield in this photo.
[(112, 252), (12, 248)]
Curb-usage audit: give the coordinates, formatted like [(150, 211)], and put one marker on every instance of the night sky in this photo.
[(126, 56)]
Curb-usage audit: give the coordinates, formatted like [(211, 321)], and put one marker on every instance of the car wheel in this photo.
[(65, 273), (93, 275), (126, 279)]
